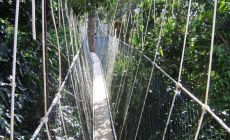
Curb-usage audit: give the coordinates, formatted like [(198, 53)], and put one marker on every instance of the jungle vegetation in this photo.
[(29, 90)]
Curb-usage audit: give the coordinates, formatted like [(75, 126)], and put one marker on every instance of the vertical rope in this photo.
[(143, 106), (14, 70), (209, 71), (114, 16), (59, 14), (65, 36), (173, 3), (154, 12), (177, 91), (142, 30), (43, 55), (69, 25), (44, 64), (59, 66), (147, 24), (185, 40), (74, 29), (33, 20)]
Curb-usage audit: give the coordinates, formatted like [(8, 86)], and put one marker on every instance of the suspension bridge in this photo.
[(117, 92)]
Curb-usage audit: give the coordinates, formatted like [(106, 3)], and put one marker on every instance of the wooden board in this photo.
[(102, 122)]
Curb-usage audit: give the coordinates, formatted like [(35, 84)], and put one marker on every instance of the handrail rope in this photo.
[(177, 91), (13, 83), (56, 98), (59, 65), (209, 71), (33, 20), (154, 61)]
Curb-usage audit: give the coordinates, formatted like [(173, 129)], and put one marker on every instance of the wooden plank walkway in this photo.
[(102, 122)]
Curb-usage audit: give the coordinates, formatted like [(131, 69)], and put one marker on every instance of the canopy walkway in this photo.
[(117, 92)]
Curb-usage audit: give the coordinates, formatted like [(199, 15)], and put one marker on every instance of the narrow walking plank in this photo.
[(102, 122)]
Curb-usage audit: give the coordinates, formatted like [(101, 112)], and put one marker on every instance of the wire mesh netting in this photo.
[(141, 112)]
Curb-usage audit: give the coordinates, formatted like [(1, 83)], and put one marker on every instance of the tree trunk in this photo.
[(91, 32), (129, 28)]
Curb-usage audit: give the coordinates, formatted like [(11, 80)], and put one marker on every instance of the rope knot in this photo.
[(205, 107), (178, 88), (45, 119)]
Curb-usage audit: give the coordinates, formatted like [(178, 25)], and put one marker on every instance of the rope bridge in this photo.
[(144, 101)]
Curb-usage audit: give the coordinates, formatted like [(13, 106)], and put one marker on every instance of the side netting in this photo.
[(107, 56), (70, 114), (140, 96)]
